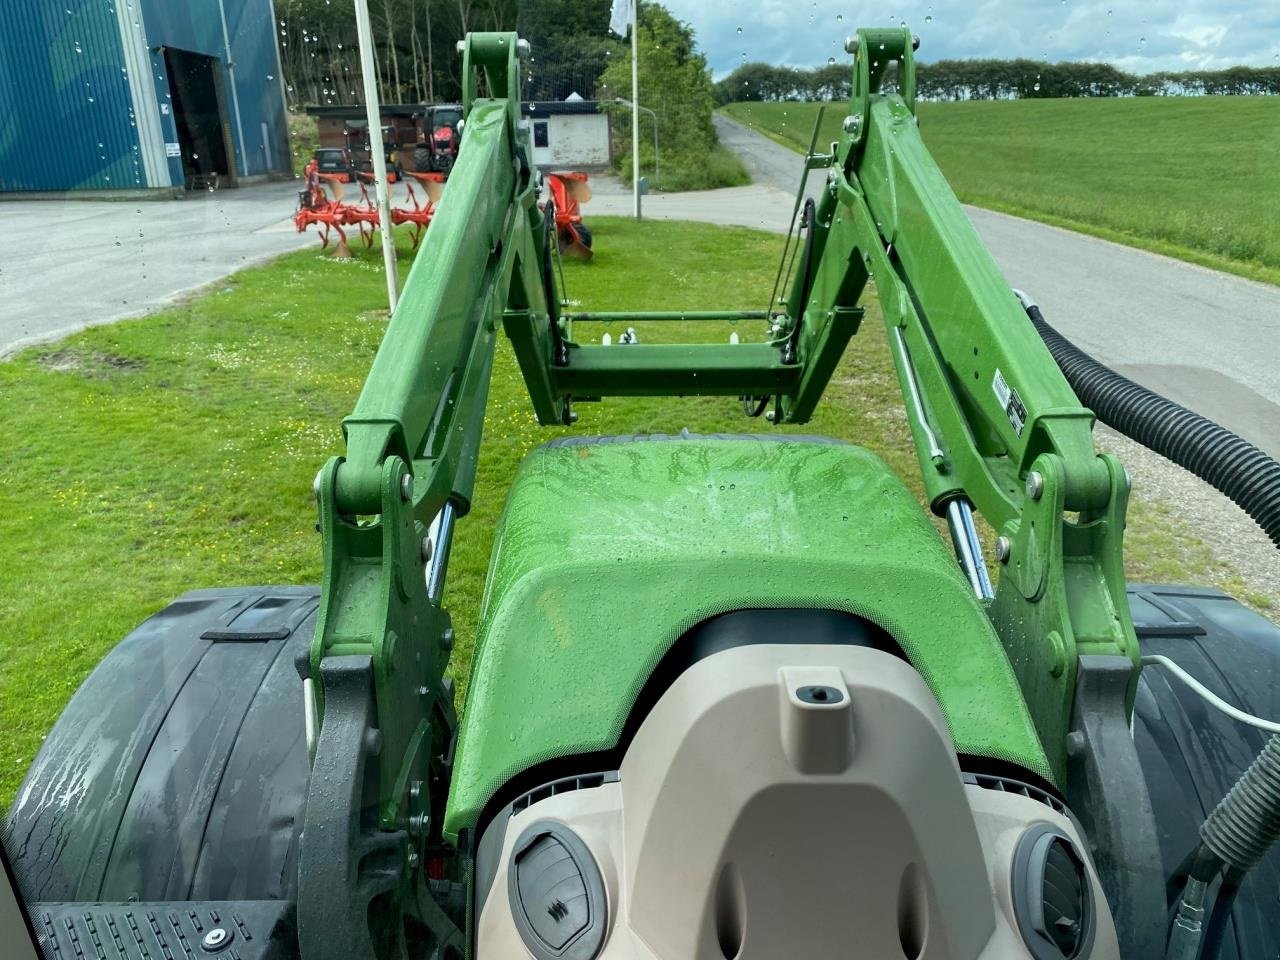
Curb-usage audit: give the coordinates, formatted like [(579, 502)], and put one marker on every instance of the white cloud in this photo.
[(1137, 36)]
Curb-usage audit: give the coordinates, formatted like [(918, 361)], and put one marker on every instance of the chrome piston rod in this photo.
[(441, 535), (964, 537)]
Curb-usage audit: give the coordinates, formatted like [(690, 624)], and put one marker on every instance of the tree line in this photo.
[(414, 43), (997, 80)]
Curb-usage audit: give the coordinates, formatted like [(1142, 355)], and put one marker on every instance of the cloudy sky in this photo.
[(1136, 36)]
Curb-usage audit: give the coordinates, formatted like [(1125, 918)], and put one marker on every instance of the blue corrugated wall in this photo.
[(67, 107), (196, 26), (66, 114)]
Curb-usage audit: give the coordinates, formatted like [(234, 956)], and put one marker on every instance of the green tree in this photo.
[(571, 46), (414, 47), (675, 83)]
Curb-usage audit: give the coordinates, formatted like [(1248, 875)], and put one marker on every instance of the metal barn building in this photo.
[(154, 95)]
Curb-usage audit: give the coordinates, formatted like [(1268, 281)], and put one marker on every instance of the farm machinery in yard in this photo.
[(731, 696)]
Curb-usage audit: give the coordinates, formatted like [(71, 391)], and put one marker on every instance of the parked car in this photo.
[(332, 161)]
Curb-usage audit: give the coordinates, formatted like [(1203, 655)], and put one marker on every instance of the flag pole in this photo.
[(635, 110), (373, 113)]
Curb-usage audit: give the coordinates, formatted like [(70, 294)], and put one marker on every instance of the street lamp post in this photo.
[(657, 166)]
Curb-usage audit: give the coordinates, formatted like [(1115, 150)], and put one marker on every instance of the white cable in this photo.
[(1209, 696)]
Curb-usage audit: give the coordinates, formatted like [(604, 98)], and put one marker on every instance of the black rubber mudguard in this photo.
[(178, 772), (179, 769), (1192, 754)]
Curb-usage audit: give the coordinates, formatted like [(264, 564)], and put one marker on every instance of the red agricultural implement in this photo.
[(567, 192), (333, 214)]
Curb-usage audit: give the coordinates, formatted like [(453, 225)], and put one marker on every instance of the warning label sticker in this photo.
[(1012, 403)]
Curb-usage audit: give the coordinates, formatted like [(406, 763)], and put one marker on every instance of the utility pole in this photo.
[(657, 161)]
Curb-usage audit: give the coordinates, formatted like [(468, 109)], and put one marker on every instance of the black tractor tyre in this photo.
[(1191, 753), (179, 769), (422, 160), (584, 234)]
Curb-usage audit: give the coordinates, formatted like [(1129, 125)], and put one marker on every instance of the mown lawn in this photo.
[(177, 451), (1192, 177)]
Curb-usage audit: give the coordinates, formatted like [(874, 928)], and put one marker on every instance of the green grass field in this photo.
[(177, 451), (1192, 177)]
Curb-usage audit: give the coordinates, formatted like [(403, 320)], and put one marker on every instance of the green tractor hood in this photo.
[(609, 549)]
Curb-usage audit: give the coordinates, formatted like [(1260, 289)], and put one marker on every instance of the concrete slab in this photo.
[(69, 264)]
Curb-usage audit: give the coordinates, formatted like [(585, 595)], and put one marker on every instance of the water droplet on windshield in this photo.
[(831, 61), (739, 30), (79, 49), (1035, 87), (928, 18), (839, 18)]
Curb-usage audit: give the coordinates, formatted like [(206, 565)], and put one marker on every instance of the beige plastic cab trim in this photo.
[(753, 821)]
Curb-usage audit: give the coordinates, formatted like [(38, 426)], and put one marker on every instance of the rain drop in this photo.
[(1035, 86), (831, 61), (928, 18), (839, 18), (79, 49), (739, 30)]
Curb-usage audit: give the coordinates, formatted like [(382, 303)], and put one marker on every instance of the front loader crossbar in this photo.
[(660, 316), (670, 369)]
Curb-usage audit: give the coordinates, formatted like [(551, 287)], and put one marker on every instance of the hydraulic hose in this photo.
[(1213, 453), (1246, 822)]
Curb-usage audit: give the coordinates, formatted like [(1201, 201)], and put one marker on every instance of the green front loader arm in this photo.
[(992, 417), (413, 438)]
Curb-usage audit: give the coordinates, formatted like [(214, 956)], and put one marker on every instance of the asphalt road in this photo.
[(69, 264), (1209, 340)]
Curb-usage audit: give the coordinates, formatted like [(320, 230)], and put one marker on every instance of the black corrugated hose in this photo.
[(1245, 824), (1213, 453)]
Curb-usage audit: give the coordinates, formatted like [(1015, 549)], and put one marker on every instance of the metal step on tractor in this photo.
[(732, 698)]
